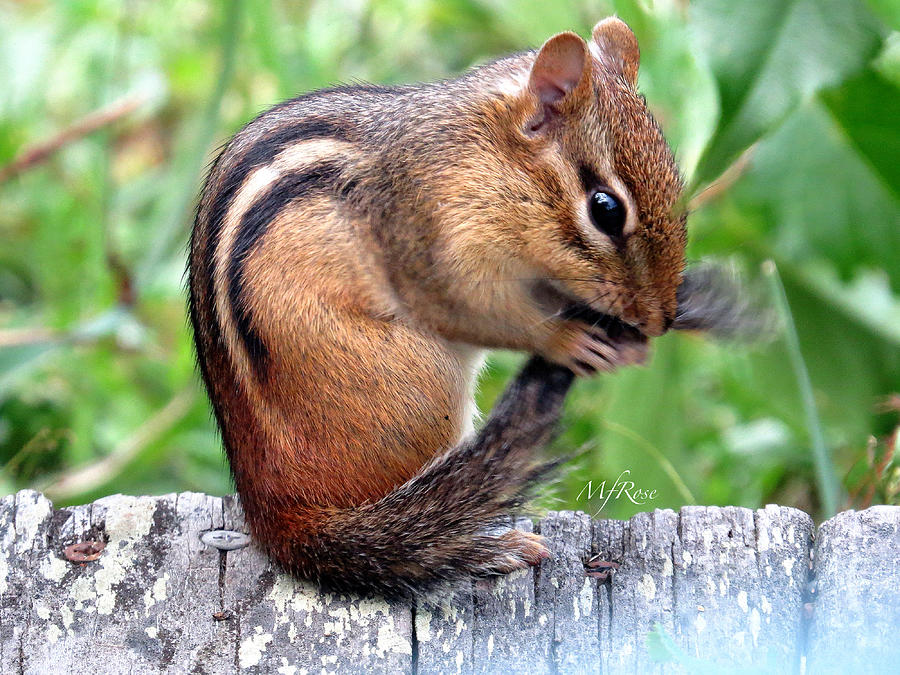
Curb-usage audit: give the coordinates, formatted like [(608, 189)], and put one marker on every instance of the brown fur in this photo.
[(355, 249)]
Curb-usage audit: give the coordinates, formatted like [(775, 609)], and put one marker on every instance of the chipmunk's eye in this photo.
[(607, 212)]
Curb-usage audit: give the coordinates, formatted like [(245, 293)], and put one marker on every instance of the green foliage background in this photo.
[(795, 101)]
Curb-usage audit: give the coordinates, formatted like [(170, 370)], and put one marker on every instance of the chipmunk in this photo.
[(357, 249)]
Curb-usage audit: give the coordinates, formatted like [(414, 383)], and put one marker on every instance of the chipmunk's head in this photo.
[(599, 208)]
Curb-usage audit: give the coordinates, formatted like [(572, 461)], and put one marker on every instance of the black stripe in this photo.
[(251, 229), (260, 153), (590, 182), (573, 236), (589, 179)]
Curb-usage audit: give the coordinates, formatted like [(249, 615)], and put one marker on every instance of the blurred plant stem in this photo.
[(829, 487), (718, 187), (95, 475), (36, 154), (663, 461), (21, 351)]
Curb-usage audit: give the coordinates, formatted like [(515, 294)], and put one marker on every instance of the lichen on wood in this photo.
[(174, 590)]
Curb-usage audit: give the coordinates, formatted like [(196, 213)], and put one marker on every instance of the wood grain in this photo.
[(720, 587)]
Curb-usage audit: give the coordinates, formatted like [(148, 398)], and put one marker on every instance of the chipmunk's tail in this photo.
[(446, 522)]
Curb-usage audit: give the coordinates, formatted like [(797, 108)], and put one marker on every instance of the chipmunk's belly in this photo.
[(472, 361)]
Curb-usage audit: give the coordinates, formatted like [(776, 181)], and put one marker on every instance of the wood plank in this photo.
[(509, 633), (728, 588), (567, 596), (855, 603), (142, 604), (281, 623), (444, 623), (641, 591), (25, 521), (739, 582)]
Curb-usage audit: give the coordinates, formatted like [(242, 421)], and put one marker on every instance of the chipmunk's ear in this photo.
[(560, 76), (616, 47)]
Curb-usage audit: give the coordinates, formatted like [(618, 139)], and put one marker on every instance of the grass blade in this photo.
[(829, 488)]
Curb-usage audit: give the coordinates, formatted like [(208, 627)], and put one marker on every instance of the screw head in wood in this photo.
[(225, 540)]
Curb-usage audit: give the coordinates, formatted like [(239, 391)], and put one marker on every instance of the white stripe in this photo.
[(295, 158)]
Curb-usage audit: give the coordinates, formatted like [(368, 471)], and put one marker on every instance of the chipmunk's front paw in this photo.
[(587, 349)]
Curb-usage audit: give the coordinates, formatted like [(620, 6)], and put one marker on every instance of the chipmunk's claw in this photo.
[(517, 550), (587, 349)]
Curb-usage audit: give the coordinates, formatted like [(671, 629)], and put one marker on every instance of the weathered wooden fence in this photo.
[(710, 589)]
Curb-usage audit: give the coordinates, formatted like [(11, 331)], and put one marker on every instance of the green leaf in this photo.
[(887, 10), (867, 108), (819, 198), (662, 648), (768, 56), (16, 363), (888, 62), (172, 223)]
